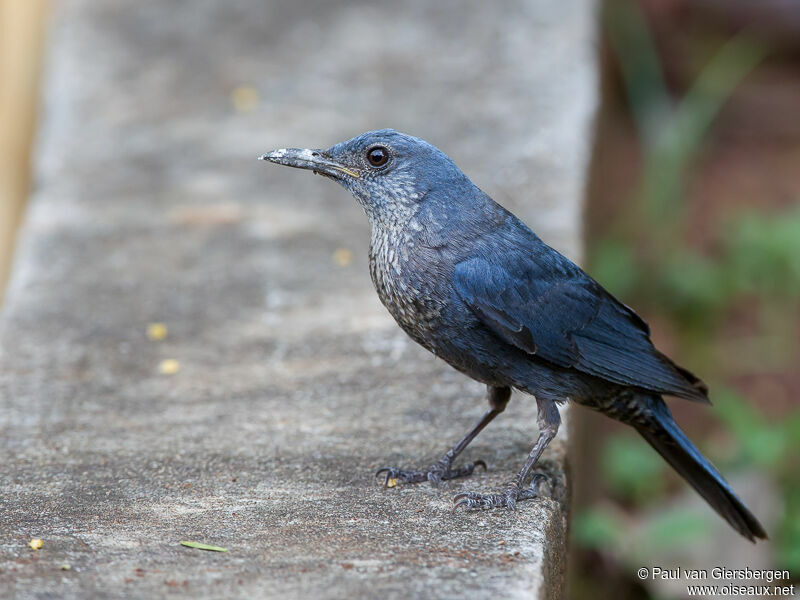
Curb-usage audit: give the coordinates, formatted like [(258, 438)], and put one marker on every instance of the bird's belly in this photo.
[(414, 310), (413, 302), (428, 322), (450, 331)]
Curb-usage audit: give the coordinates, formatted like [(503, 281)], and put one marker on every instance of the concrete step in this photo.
[(290, 384)]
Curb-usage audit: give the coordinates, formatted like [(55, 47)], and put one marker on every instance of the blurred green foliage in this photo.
[(763, 254), (598, 528), (753, 261), (676, 527), (773, 446), (603, 529), (635, 472), (758, 258)]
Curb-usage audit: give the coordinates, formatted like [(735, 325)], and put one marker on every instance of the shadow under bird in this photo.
[(474, 285)]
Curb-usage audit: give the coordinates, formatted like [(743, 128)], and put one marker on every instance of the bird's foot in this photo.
[(508, 498), (436, 473)]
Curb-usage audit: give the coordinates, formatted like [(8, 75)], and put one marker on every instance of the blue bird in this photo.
[(474, 285)]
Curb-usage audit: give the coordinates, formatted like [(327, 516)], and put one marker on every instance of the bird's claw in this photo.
[(508, 498), (438, 472)]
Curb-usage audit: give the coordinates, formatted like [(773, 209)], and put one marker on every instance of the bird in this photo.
[(470, 282)]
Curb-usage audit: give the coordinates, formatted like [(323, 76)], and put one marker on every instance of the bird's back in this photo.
[(472, 269), (537, 300)]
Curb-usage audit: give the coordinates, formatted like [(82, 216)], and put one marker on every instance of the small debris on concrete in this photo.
[(244, 98), (156, 332), (169, 366), (201, 546), (342, 257)]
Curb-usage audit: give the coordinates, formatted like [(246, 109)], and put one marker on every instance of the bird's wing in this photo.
[(552, 309)]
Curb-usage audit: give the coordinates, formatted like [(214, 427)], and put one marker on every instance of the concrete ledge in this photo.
[(294, 385)]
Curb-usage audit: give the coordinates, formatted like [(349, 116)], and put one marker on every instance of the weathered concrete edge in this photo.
[(552, 573)]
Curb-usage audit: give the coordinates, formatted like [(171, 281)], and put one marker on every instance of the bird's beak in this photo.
[(313, 160)]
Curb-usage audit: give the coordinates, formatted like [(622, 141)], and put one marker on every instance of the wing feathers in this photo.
[(563, 316)]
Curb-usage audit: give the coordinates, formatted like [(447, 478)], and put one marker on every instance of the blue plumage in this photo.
[(471, 283)]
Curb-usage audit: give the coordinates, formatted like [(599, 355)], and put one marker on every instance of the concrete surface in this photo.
[(294, 385)]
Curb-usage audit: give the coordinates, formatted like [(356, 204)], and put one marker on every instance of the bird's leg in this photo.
[(549, 421), (443, 470)]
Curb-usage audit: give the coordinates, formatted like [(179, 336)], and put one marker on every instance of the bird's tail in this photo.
[(663, 434)]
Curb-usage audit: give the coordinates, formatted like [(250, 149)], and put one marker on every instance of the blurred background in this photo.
[(22, 24), (692, 217)]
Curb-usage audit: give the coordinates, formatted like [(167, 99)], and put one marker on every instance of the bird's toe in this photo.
[(435, 474), (507, 498)]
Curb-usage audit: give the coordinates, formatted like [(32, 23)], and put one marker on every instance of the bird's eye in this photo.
[(378, 156)]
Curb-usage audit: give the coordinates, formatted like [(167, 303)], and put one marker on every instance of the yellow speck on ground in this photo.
[(342, 257), (169, 366), (66, 567), (156, 331), (35, 543), (244, 98), (392, 482)]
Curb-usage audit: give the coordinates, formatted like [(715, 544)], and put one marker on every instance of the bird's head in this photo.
[(389, 173)]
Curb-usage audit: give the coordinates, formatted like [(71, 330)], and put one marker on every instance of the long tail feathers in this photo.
[(663, 434)]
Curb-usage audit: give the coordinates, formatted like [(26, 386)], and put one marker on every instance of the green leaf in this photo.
[(760, 442), (631, 468), (792, 427), (614, 265), (201, 546), (736, 412), (766, 448), (597, 528), (788, 538), (693, 288), (762, 251), (677, 527)]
